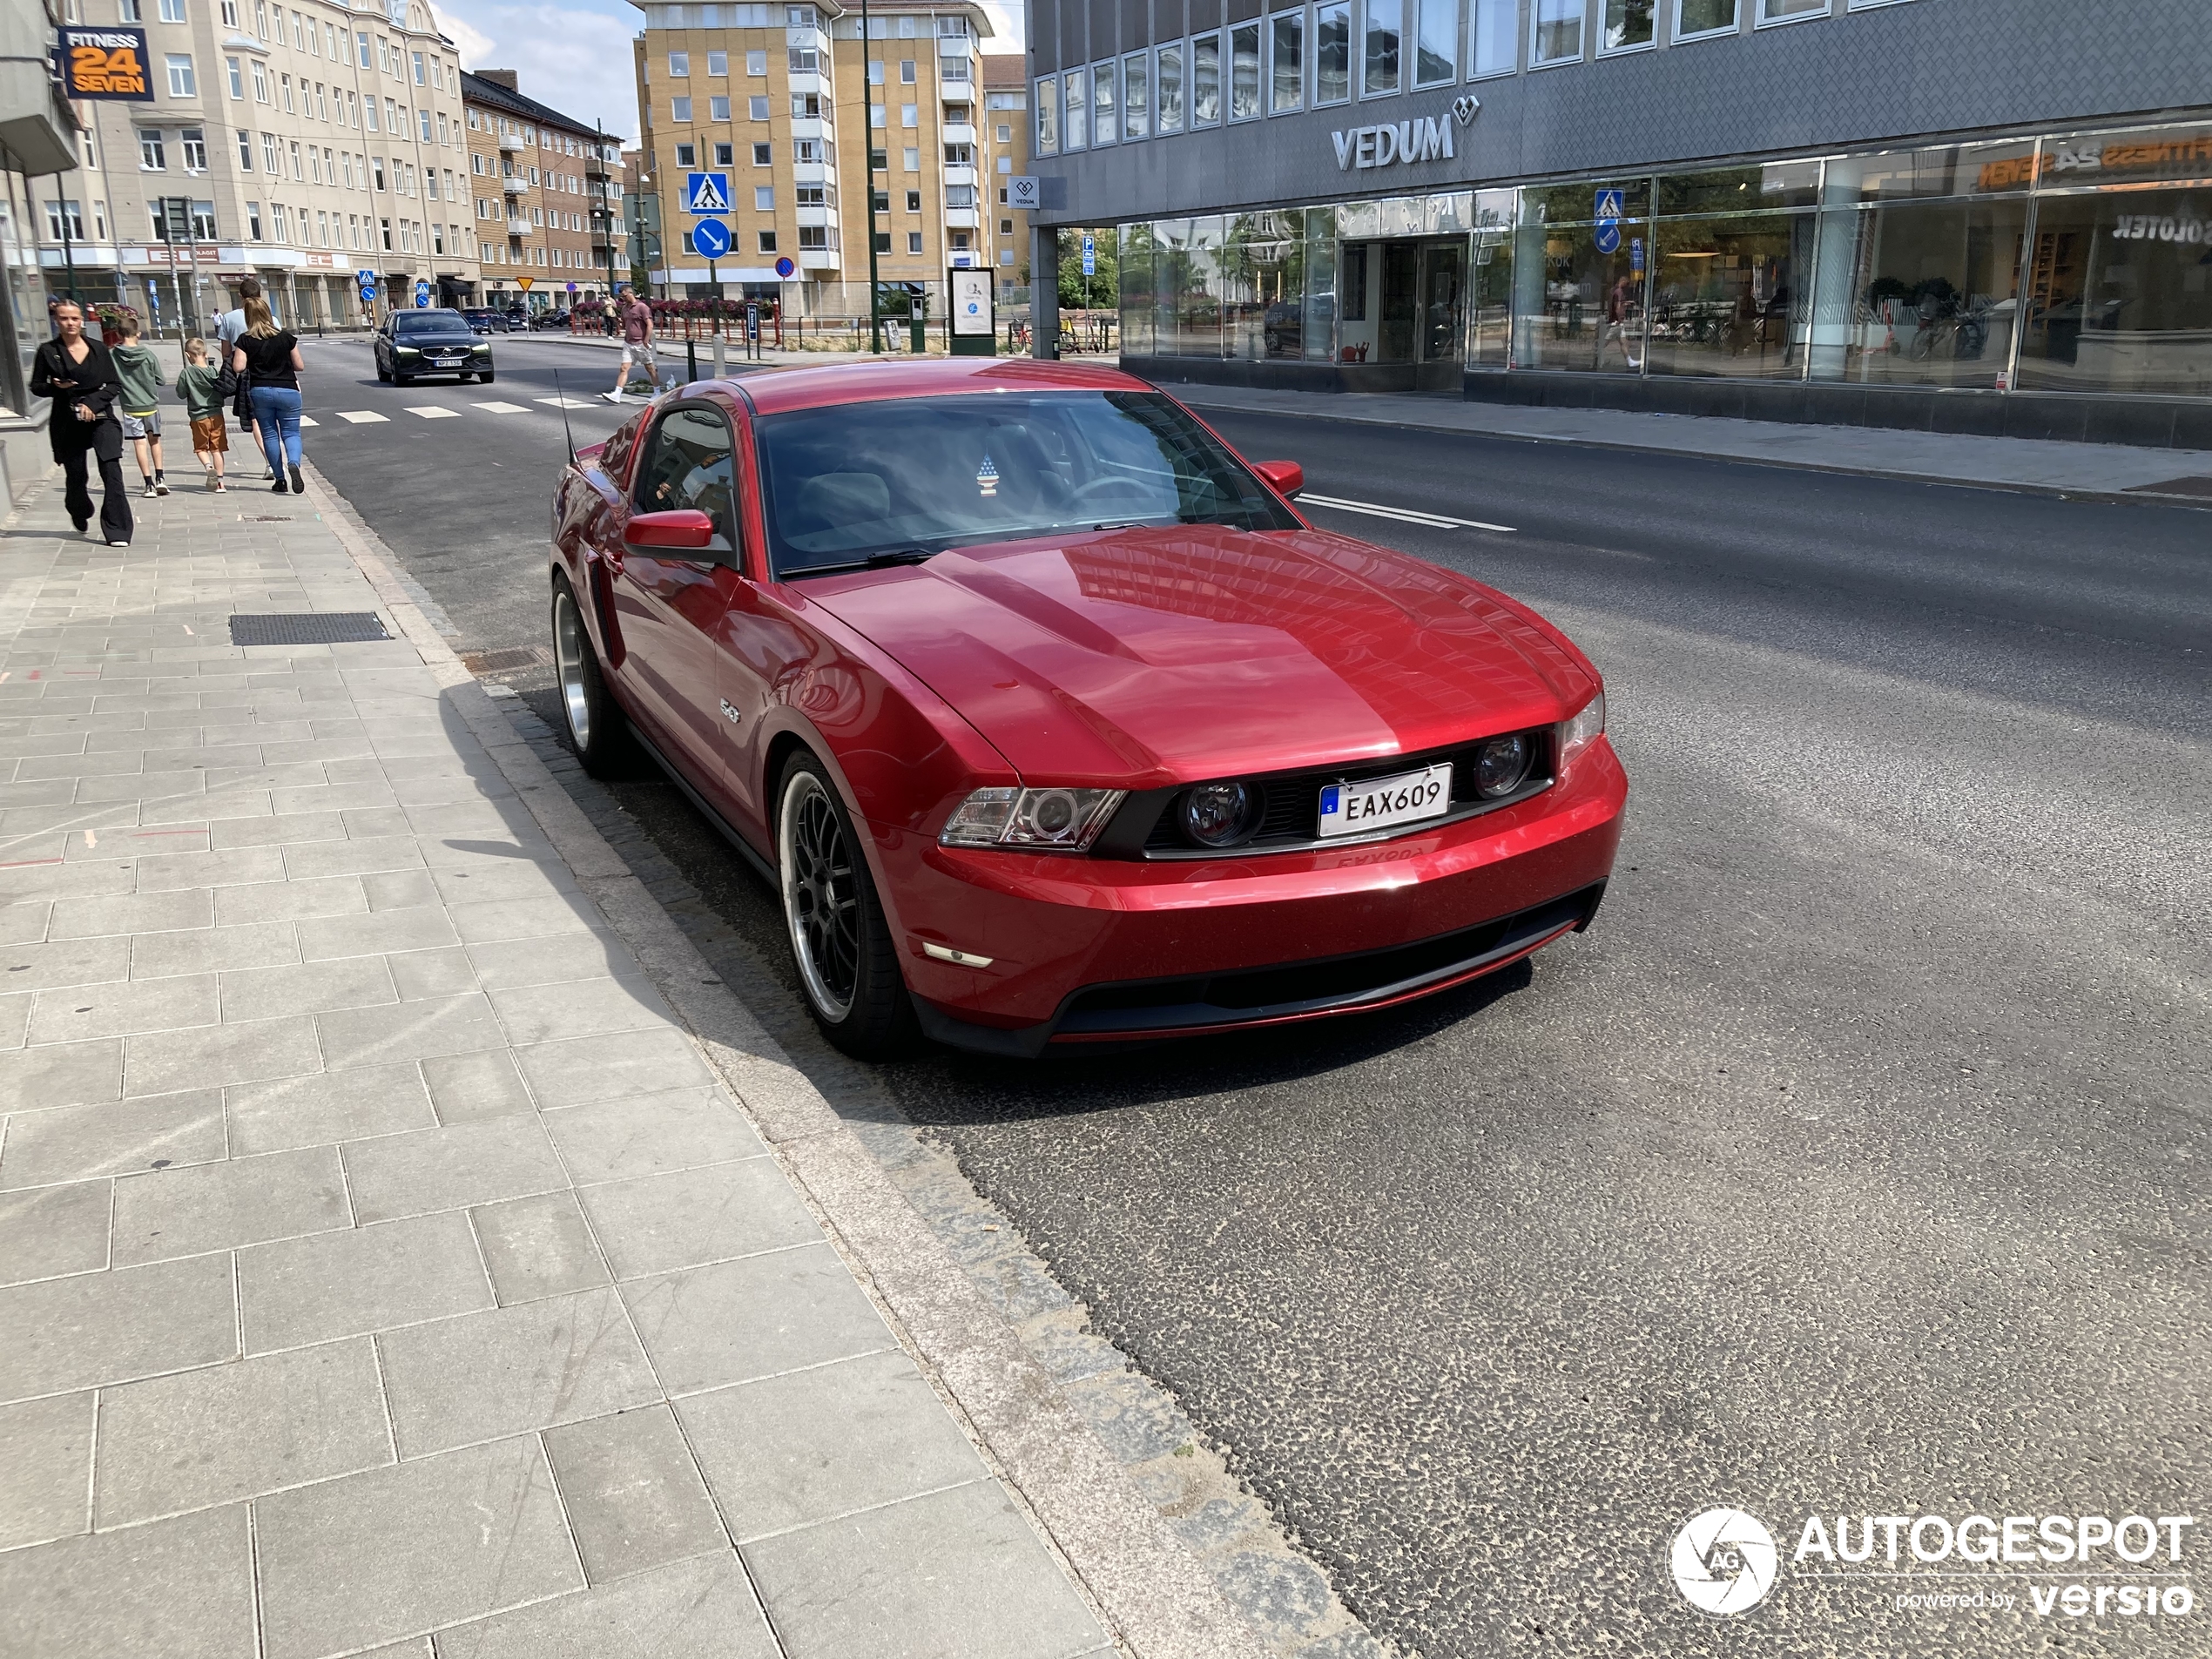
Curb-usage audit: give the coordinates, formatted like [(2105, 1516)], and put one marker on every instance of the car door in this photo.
[(668, 601)]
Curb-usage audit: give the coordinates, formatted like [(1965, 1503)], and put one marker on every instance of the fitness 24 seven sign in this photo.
[(105, 64), (1426, 138)]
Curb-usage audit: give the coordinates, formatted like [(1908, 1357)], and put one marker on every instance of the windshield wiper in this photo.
[(878, 561)]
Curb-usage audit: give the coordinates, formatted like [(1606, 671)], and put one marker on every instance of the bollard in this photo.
[(690, 357)]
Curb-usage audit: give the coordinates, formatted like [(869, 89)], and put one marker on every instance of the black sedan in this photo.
[(550, 319), (485, 320), (414, 343)]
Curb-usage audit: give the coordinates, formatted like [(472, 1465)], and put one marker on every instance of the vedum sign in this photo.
[(1427, 138)]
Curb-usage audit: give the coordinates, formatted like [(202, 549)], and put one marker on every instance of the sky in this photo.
[(574, 55)]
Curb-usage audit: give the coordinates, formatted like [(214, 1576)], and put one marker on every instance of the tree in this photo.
[(1102, 292)]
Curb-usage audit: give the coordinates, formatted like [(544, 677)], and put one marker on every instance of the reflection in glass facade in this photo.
[(2076, 263)]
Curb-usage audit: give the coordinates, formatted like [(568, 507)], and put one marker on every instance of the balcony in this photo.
[(958, 134), (807, 126), (512, 144), (962, 219), (518, 227), (514, 186), (960, 175), (810, 172), (815, 216), (817, 84), (817, 259)]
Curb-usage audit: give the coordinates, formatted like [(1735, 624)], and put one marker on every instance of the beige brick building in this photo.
[(546, 197)]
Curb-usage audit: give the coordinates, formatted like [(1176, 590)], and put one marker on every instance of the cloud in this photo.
[(574, 57)]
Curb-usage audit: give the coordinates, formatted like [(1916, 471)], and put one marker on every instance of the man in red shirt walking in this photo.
[(637, 341)]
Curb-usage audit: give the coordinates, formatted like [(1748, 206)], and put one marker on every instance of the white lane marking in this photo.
[(433, 412), (502, 409), (1433, 521), (562, 402), (361, 417), (306, 421)]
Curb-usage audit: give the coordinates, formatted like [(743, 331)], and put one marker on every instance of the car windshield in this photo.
[(434, 322), (909, 477)]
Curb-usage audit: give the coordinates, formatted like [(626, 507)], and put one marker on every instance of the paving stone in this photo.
[(150, 912), (328, 1285), (955, 1572), (238, 1430), (651, 1135), (248, 1052), (307, 987), (430, 1542), (789, 1451), (276, 829), (180, 1588), (538, 1246), (350, 857), (326, 1107), (123, 1009), (514, 962), (448, 1169), (584, 1071), (74, 962), (510, 1370), (111, 1137), (485, 923), (510, 880), (634, 1496), (50, 1468), (22, 924), (735, 1321), (469, 1087), (423, 975), (104, 1328), (376, 933), (700, 1608), (408, 1031), (52, 1231), (208, 950), (499, 820), (660, 1222), (579, 1009), (230, 868), (290, 901), (221, 1206)]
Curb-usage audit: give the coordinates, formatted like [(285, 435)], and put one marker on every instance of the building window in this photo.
[(718, 63), (1379, 40), (767, 240), (253, 221), (756, 63), (273, 161), (718, 109), (1205, 81), (128, 11), (1137, 97), (679, 111), (152, 157), (679, 66), (1243, 72), (1696, 17), (1555, 33), (1286, 62), (913, 201), (1628, 25), (244, 151), (1047, 134), (422, 118), (910, 158), (763, 198), (910, 115), (181, 83), (812, 236), (193, 142), (1075, 100), (417, 56), (1169, 60), (906, 71), (808, 150), (235, 76), (687, 155), (757, 107), (761, 157), (65, 222), (913, 241), (883, 241), (1105, 122), (1791, 11), (725, 154), (261, 82)]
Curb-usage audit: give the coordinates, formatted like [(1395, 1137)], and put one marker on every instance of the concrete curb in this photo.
[(1155, 1598)]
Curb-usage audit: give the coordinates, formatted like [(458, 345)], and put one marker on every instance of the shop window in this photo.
[(1627, 25), (1105, 120), (1169, 62), (1332, 51), (1136, 98), (1694, 19), (1133, 264), (1490, 280), (1555, 33), (1919, 293), (1730, 297), (1243, 72), (1286, 61), (1263, 289), (1436, 42), (1205, 81), (1379, 46)]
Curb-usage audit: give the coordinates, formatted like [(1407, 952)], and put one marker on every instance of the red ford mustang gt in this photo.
[(1053, 724)]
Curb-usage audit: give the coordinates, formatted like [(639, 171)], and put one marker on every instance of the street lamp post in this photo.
[(867, 119)]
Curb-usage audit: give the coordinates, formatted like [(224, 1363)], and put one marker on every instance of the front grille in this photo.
[(1291, 810)]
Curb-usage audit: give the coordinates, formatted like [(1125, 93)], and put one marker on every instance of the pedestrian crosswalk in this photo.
[(445, 411), (500, 408), (434, 411), (361, 417)]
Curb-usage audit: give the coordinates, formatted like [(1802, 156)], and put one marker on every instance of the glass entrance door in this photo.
[(1443, 305)]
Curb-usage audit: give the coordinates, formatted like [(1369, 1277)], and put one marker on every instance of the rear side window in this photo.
[(688, 464)]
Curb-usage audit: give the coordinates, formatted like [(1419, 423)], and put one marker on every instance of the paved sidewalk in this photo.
[(2095, 469), (385, 1263)]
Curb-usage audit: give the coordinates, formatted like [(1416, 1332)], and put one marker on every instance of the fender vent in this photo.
[(307, 628)]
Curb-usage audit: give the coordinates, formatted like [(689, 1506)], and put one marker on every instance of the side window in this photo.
[(688, 464)]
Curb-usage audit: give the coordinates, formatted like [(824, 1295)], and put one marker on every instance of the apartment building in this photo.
[(304, 144), (548, 196), (1003, 142), (780, 97)]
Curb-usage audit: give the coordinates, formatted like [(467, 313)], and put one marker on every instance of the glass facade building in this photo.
[(1588, 201)]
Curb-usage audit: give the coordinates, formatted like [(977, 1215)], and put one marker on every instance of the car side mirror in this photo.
[(1286, 478), (682, 527)]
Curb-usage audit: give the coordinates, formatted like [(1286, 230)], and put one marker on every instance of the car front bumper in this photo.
[(1084, 951)]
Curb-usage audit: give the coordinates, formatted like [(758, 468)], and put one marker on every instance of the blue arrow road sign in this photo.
[(706, 193), (711, 238), (1090, 255)]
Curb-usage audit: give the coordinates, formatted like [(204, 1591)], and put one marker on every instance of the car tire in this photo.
[(840, 940), (484, 378), (383, 373), (597, 727), (399, 379), (464, 378)]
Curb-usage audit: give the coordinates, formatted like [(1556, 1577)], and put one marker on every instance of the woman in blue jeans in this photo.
[(267, 357)]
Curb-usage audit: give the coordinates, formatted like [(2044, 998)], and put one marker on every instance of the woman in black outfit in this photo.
[(79, 376)]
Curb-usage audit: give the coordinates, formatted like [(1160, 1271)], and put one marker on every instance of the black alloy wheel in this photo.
[(840, 943)]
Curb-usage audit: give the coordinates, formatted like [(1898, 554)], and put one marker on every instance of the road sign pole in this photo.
[(721, 333), (867, 121)]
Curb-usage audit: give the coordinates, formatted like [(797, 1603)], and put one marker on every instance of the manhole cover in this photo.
[(307, 628), (2175, 487)]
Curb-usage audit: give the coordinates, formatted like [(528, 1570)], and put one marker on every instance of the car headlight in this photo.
[(1220, 814), (1500, 764), (1065, 820), (410, 351), (1586, 728)]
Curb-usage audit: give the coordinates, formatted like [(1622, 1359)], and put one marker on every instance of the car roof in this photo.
[(775, 391)]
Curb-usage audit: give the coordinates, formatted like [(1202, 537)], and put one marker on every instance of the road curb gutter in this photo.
[(1153, 1597)]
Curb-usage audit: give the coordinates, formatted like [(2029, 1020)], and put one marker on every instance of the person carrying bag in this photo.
[(79, 376)]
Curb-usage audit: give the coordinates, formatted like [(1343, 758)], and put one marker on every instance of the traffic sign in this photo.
[(710, 238), (421, 291), (1021, 193), (1607, 237), (571, 287), (524, 283), (1608, 205), (706, 193), (367, 278), (1090, 255), (785, 267)]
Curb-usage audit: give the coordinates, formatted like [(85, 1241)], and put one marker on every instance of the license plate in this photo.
[(1378, 803), (445, 362)]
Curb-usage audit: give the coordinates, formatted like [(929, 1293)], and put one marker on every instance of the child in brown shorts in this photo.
[(200, 386)]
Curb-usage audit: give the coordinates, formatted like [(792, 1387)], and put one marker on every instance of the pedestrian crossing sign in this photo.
[(706, 193)]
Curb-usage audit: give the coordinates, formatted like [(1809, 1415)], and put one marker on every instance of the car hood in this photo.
[(1149, 656)]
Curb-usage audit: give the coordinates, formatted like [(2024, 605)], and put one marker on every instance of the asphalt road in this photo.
[(1854, 1163)]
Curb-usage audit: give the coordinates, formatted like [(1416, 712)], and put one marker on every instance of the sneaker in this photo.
[(147, 493), (161, 486), (613, 397), (280, 487), (298, 484), (222, 489), (119, 540)]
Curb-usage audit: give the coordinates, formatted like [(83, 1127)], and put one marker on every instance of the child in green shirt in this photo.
[(201, 386), (139, 370)]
